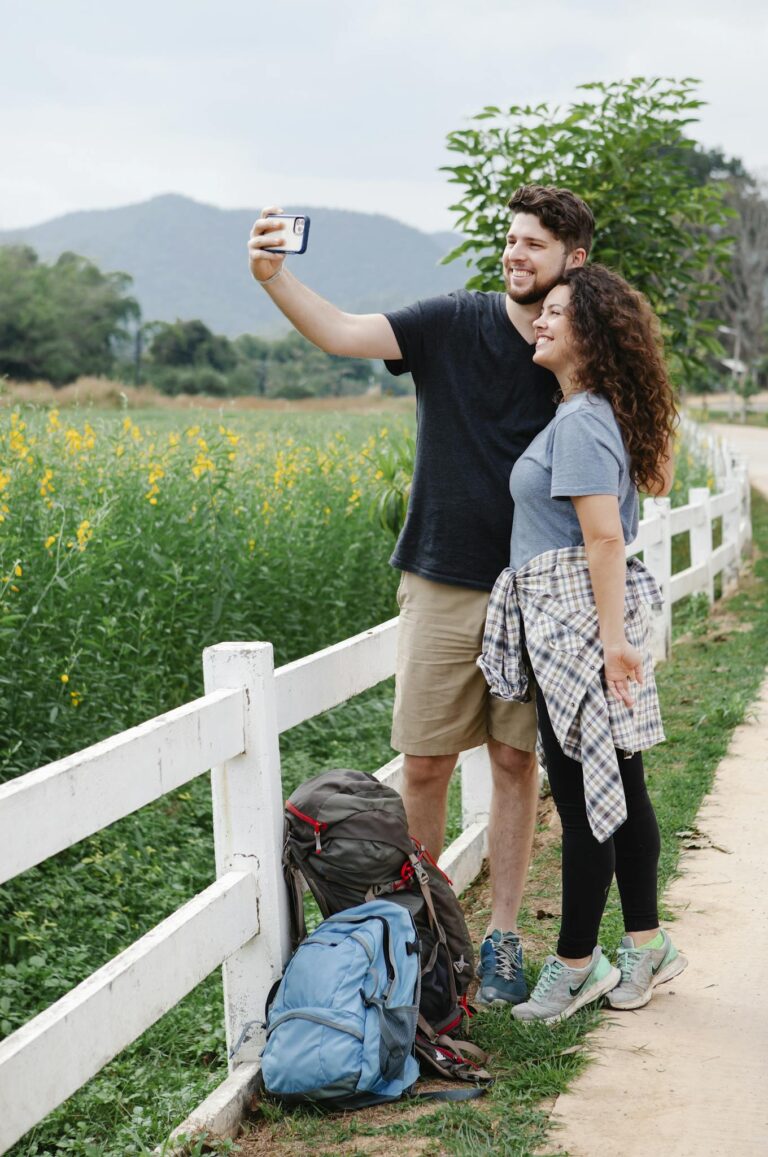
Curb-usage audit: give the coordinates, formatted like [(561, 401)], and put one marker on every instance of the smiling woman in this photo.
[(581, 609)]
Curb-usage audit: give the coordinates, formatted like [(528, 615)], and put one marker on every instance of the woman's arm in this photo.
[(600, 522)]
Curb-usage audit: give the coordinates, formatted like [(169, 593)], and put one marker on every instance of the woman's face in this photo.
[(554, 349)]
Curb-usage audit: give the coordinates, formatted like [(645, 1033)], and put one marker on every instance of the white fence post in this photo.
[(741, 472), (476, 787), (732, 536), (701, 536), (658, 559), (248, 831)]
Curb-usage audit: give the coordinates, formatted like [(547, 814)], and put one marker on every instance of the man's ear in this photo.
[(576, 257)]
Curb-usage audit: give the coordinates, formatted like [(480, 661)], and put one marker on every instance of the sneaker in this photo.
[(501, 969), (561, 990), (642, 969)]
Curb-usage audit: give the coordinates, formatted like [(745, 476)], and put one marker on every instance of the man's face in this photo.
[(534, 260)]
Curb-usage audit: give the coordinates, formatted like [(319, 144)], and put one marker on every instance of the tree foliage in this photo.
[(59, 321), (624, 149), (186, 357)]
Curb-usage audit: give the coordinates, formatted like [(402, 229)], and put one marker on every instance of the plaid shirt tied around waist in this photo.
[(547, 608)]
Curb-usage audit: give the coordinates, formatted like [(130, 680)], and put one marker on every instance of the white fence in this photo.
[(240, 921)]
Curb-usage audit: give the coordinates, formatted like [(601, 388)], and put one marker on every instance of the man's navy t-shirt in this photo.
[(480, 401)]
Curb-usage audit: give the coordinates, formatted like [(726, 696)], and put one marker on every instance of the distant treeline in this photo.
[(67, 320)]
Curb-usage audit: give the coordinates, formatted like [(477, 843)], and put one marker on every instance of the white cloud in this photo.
[(344, 103)]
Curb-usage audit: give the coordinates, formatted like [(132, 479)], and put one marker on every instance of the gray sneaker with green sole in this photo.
[(560, 991), (642, 969)]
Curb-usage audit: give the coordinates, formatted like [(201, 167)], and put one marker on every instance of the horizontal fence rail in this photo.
[(58, 805), (56, 1053), (241, 921)]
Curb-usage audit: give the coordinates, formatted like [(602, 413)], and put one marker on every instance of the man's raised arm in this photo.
[(355, 335)]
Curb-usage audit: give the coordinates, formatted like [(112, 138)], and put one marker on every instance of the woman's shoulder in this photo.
[(585, 408)]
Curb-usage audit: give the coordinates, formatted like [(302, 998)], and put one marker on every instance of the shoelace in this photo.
[(506, 958), (549, 974), (627, 959)]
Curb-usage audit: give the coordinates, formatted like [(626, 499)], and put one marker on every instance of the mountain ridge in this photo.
[(188, 259)]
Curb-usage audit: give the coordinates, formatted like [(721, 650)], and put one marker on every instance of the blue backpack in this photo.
[(341, 1027)]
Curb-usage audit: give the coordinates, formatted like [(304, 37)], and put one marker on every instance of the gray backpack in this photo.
[(346, 836)]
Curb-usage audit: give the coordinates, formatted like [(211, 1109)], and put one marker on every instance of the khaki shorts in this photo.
[(442, 702)]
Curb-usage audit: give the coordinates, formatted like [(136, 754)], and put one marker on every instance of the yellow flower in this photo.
[(4, 480), (64, 678), (201, 464), (17, 570), (50, 541), (53, 420), (193, 431), (84, 534), (173, 439)]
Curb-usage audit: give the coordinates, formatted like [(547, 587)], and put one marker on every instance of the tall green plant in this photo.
[(624, 149)]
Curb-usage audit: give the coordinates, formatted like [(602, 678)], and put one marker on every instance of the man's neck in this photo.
[(523, 317)]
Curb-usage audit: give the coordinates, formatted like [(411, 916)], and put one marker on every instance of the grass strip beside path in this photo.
[(716, 668)]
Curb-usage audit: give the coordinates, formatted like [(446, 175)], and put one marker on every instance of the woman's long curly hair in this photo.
[(619, 354)]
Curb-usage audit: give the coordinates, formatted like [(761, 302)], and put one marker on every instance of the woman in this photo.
[(576, 608)]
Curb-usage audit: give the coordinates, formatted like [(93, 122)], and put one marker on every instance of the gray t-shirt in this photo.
[(580, 452)]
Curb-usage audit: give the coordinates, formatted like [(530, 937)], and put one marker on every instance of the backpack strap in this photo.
[(423, 881), (294, 882), (453, 1059)]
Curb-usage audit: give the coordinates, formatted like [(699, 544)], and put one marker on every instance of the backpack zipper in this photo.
[(318, 825)]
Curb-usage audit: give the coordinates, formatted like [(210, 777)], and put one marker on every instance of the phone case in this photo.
[(300, 239)]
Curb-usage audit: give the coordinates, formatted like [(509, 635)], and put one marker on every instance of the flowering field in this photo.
[(128, 543), (126, 547)]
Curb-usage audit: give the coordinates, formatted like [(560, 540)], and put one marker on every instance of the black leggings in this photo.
[(588, 866)]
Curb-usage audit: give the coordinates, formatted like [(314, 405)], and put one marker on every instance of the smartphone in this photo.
[(294, 235)]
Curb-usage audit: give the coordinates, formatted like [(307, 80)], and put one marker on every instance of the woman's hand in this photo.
[(623, 665)]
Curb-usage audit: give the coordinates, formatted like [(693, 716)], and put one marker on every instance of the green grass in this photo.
[(702, 413)]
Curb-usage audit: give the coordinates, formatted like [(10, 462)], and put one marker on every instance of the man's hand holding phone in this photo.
[(272, 236)]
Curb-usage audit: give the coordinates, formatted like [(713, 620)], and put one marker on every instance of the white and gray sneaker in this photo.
[(642, 969), (560, 991)]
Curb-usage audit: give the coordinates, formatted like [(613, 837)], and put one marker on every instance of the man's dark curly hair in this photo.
[(565, 215), (619, 354)]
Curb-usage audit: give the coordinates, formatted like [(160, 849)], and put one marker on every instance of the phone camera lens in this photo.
[(298, 225)]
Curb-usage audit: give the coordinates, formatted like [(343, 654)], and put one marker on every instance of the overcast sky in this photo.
[(336, 103)]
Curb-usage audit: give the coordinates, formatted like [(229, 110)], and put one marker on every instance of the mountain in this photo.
[(188, 260)]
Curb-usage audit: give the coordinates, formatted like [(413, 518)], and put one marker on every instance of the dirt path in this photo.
[(752, 442), (688, 1074)]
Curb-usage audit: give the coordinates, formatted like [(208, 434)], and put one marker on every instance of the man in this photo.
[(480, 402)]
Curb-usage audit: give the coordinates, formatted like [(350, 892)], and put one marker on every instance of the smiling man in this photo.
[(480, 402)]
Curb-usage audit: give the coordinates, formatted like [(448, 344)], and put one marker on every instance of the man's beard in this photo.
[(538, 292)]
